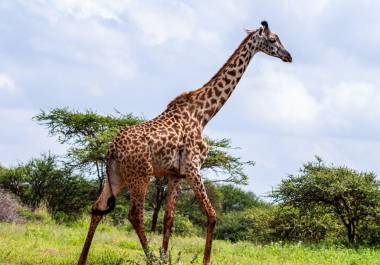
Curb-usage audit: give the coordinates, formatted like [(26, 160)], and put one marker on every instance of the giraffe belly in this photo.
[(166, 161)]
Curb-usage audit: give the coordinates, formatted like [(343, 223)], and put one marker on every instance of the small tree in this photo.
[(351, 195)]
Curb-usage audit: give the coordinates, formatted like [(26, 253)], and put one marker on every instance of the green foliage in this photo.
[(250, 225), (88, 133), (41, 181), (289, 224), (119, 216), (221, 162), (38, 216), (352, 196), (73, 126), (235, 199)]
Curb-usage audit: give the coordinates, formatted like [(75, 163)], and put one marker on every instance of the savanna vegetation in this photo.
[(323, 214)]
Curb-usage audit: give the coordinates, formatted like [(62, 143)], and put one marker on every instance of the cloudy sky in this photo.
[(135, 56)]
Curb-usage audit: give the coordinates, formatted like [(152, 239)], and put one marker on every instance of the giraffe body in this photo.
[(172, 145)]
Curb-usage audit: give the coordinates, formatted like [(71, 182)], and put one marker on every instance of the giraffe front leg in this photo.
[(198, 187), (173, 189)]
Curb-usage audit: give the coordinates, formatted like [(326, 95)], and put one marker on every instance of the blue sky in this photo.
[(135, 56)]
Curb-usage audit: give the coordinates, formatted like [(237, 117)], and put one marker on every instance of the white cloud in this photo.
[(288, 103), (349, 102), (96, 91), (280, 98), (88, 43), (22, 138), (81, 10), (7, 85)]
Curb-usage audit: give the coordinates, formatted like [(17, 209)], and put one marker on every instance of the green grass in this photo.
[(57, 244)]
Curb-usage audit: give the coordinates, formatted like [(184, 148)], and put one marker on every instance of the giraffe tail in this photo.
[(111, 202)]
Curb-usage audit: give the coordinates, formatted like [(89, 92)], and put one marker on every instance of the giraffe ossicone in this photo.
[(172, 145)]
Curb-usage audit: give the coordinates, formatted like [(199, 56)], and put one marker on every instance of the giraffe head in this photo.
[(269, 43)]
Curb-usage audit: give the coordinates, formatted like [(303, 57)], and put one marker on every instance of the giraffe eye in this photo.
[(272, 40)]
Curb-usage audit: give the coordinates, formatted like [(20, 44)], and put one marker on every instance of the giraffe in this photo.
[(172, 145)]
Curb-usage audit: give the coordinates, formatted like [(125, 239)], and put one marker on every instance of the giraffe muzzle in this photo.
[(285, 56)]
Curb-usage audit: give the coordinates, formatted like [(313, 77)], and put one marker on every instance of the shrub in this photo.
[(292, 225), (182, 225), (250, 225)]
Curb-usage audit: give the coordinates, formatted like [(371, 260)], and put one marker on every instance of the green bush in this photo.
[(41, 181), (38, 216), (291, 225), (120, 215), (250, 225)]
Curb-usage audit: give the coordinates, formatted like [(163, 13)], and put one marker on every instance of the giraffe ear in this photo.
[(248, 31)]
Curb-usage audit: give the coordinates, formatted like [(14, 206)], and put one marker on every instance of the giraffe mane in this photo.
[(180, 99)]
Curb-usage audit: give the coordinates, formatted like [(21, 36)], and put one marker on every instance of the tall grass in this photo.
[(48, 243)]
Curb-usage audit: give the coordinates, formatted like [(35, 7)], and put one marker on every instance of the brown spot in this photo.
[(199, 103), (217, 92), (192, 108), (209, 112), (232, 72), (225, 79), (186, 115), (209, 93)]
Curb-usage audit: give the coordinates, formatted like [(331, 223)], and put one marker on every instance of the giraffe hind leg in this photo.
[(137, 189), (199, 189), (173, 189)]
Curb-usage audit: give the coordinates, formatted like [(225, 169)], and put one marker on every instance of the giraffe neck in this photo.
[(213, 95)]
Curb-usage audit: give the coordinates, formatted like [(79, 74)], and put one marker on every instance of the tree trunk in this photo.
[(351, 232), (158, 201), (100, 177)]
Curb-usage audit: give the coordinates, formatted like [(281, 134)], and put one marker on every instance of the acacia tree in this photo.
[(88, 135), (351, 195)]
